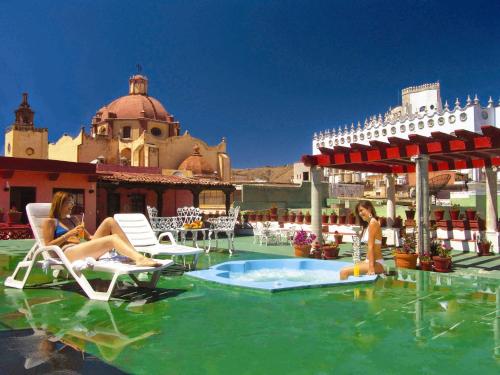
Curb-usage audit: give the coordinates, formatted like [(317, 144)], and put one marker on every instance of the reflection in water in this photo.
[(56, 326)]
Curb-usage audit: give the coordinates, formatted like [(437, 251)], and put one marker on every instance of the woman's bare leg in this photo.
[(363, 270), (110, 226), (97, 247)]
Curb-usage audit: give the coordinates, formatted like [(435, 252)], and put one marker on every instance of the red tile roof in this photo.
[(148, 178)]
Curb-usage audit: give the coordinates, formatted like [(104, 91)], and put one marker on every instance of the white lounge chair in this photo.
[(53, 257), (141, 236)]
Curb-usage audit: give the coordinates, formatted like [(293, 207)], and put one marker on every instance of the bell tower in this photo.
[(22, 139)]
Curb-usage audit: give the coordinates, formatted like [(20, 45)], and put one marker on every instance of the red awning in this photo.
[(463, 150)]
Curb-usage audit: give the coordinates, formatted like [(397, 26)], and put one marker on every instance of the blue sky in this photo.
[(264, 74)]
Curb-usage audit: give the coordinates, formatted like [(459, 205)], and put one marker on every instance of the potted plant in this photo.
[(405, 256), (342, 219), (302, 243), (470, 214), (252, 216), (351, 219), (292, 217), (410, 213), (483, 246), (442, 261), (324, 218), (398, 222), (300, 218), (259, 216), (307, 218), (274, 209), (285, 216), (315, 250), (382, 221), (439, 214), (338, 237), (426, 262), (455, 212), (333, 217), (14, 216), (330, 250)]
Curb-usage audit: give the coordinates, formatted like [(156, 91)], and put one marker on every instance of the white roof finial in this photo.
[(446, 106), (476, 99), (468, 100), (359, 125), (457, 103), (490, 102)]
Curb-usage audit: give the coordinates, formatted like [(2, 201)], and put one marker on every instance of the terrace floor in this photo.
[(189, 326)]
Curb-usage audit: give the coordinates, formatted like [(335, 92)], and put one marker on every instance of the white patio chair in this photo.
[(224, 224), (267, 233), (161, 224), (188, 214), (54, 258), (140, 234)]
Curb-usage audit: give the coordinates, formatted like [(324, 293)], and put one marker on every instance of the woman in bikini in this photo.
[(372, 235), (60, 229)]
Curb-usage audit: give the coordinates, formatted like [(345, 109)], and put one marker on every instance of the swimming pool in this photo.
[(412, 322), (279, 274)]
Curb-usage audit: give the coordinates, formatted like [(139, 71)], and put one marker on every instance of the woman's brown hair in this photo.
[(58, 200), (368, 206)]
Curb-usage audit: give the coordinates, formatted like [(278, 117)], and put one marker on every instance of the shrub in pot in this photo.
[(439, 215), (426, 262), (333, 218), (410, 214), (330, 250), (291, 217), (307, 217), (300, 218), (324, 218), (338, 237), (342, 219), (455, 212), (483, 247), (14, 216), (405, 256), (302, 243), (470, 214), (442, 262)]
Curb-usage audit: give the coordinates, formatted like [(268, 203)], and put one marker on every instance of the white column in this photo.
[(391, 199), (422, 202), (316, 173), (491, 207)]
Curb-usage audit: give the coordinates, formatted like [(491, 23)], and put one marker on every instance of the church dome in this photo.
[(137, 104), (197, 164)]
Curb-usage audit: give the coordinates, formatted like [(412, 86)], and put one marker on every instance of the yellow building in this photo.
[(22, 139), (134, 130)]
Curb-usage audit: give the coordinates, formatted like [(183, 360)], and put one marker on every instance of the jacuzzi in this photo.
[(279, 274)]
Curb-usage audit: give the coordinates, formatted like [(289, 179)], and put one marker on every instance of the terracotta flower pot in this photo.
[(252, 217), (338, 238), (470, 214), (342, 219), (285, 218), (404, 260), (14, 217), (484, 249), (398, 222), (324, 219), (300, 218), (410, 214), (333, 219), (274, 217), (330, 252), (259, 217), (439, 215), (274, 210), (454, 214), (302, 250), (292, 217), (351, 219), (316, 253), (426, 265), (442, 264), (307, 219)]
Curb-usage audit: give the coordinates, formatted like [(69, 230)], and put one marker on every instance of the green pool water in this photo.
[(411, 322)]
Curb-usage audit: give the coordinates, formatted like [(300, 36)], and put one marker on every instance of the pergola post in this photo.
[(391, 199), (422, 202), (227, 195), (196, 197), (159, 202), (491, 207), (316, 173)]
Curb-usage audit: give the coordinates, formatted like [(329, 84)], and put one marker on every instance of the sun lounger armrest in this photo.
[(169, 235)]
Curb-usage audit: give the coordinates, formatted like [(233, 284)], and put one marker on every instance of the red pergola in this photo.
[(463, 150)]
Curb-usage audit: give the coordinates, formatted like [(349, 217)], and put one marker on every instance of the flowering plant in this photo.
[(444, 251), (303, 238), (409, 244)]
